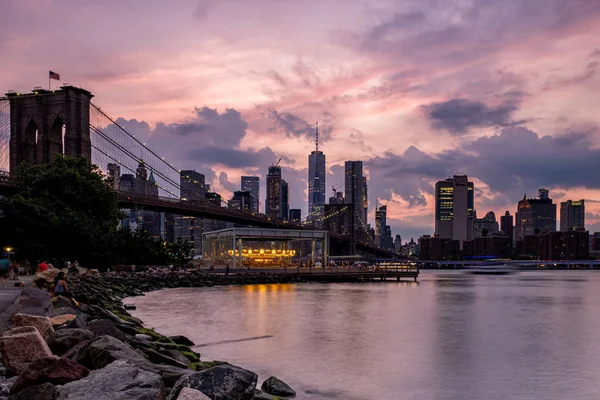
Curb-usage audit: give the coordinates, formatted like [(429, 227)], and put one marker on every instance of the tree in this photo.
[(62, 210), (180, 251)]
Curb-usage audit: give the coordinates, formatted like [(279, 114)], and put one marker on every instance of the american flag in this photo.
[(54, 75)]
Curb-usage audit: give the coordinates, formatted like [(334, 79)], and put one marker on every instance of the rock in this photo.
[(21, 346), (42, 324), (45, 391), (181, 340), (223, 382), (62, 302), (260, 395), (119, 380), (75, 353), (103, 327), (106, 349), (57, 371), (141, 336), (277, 387), (66, 339), (62, 319), (92, 273), (159, 358), (171, 374), (45, 278), (191, 394), (174, 354), (5, 385), (34, 301)]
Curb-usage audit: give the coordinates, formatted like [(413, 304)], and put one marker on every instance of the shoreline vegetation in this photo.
[(57, 351)]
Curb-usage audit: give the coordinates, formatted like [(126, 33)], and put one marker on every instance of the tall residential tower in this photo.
[(572, 215), (454, 204), (252, 184)]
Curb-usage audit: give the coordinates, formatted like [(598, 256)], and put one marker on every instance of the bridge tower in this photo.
[(37, 120)]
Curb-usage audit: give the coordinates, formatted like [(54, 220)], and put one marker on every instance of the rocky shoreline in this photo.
[(57, 351)]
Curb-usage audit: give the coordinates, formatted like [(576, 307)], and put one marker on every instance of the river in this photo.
[(452, 336)]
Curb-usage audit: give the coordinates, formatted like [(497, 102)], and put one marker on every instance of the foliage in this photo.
[(180, 252), (65, 211)]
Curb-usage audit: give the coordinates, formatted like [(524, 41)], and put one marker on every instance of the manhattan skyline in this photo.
[(417, 90)]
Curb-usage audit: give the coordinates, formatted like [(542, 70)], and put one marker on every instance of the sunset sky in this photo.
[(507, 92)]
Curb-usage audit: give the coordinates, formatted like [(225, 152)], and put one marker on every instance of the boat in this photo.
[(503, 269)]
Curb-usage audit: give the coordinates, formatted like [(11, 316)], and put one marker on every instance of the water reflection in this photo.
[(453, 336)]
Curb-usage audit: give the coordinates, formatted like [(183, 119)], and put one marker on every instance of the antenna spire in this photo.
[(317, 137)]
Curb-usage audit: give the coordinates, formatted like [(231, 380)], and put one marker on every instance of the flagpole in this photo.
[(48, 81)]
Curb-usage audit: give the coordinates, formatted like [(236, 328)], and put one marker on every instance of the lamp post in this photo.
[(9, 251)]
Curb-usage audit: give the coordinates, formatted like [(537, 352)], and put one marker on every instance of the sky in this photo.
[(506, 92)]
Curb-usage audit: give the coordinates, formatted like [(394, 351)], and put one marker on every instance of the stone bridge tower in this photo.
[(45, 123)]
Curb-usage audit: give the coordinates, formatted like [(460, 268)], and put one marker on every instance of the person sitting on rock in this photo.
[(61, 288)]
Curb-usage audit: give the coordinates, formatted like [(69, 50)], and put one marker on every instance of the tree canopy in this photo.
[(66, 211)]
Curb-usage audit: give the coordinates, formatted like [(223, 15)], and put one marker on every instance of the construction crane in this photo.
[(278, 161), (335, 188)]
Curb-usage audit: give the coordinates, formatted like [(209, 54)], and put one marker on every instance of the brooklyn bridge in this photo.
[(36, 126)]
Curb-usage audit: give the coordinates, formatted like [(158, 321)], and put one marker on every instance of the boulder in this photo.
[(191, 394), (119, 380), (176, 355), (106, 349), (179, 339), (141, 336), (277, 387), (57, 371), (62, 319), (42, 324), (92, 273), (160, 358), (172, 374), (260, 395), (105, 327), (5, 385), (222, 382), (75, 353), (34, 301), (65, 339), (61, 302), (45, 391), (45, 278), (21, 346)]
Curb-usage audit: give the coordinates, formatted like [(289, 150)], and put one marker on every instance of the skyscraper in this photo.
[(295, 215), (242, 200), (544, 212), (380, 221), (252, 184), (192, 185), (572, 215), (114, 176), (354, 186), (285, 200), (273, 200), (365, 200), (506, 225), (454, 204), (524, 219), (316, 181), (189, 228)]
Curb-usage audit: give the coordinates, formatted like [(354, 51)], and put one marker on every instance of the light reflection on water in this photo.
[(532, 335)]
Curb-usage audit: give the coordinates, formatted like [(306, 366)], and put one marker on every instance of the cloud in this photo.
[(235, 158), (294, 126), (457, 116)]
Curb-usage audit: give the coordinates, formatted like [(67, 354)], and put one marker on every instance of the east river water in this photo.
[(452, 336)]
